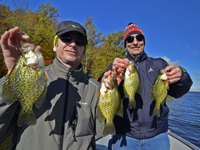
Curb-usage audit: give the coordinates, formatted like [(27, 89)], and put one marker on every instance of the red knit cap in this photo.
[(131, 29)]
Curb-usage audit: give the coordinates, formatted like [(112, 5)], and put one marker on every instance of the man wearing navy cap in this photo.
[(67, 118)]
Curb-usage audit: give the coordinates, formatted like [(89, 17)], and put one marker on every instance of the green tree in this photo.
[(94, 38), (4, 23), (111, 48)]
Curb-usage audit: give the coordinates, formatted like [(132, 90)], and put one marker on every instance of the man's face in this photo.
[(135, 45), (70, 49)]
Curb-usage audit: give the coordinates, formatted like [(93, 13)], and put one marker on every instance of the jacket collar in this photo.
[(65, 72), (140, 57)]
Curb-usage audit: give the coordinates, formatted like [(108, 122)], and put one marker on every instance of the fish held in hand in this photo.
[(159, 92), (109, 104), (27, 83), (132, 84)]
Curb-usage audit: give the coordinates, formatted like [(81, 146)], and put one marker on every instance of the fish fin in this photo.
[(156, 111), (6, 94), (124, 89), (106, 96), (42, 98), (120, 112), (125, 93), (26, 118), (45, 75), (109, 129), (169, 98), (152, 97), (36, 73), (99, 115), (99, 95)]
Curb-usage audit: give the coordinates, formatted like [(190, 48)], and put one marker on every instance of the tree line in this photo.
[(41, 26)]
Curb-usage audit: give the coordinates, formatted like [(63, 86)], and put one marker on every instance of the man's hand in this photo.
[(118, 68), (11, 45), (174, 73)]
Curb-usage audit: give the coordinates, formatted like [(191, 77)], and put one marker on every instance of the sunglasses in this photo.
[(130, 39), (68, 39)]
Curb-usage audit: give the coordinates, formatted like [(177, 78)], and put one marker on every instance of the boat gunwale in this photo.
[(173, 135), (182, 140)]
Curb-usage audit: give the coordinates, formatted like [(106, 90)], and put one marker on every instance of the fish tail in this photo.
[(26, 118), (132, 103), (156, 111), (169, 98), (109, 129)]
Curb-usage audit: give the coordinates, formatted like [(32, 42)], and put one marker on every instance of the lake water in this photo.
[(184, 117)]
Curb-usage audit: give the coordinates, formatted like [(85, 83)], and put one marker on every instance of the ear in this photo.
[(54, 48)]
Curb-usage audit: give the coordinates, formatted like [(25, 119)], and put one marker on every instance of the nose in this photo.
[(72, 43), (135, 41)]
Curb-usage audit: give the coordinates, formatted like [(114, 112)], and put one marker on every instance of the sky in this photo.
[(171, 27)]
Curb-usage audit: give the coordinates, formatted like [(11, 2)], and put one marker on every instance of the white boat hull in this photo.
[(176, 142)]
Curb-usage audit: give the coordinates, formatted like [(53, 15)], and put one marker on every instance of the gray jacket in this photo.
[(67, 119)]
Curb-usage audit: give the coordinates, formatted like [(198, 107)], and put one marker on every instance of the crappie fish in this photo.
[(27, 83), (109, 104), (132, 84), (159, 92)]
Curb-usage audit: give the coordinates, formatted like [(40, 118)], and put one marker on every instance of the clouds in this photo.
[(180, 47), (170, 62), (197, 72), (188, 47), (195, 53)]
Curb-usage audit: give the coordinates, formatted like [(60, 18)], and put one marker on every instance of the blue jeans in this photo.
[(122, 142)]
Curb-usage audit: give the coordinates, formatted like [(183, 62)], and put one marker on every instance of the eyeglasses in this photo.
[(130, 39), (68, 39)]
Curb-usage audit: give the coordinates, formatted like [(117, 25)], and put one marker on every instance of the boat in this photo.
[(176, 142)]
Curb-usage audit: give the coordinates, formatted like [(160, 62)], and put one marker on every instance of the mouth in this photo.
[(35, 65), (70, 51), (129, 70), (163, 80), (107, 88), (135, 47)]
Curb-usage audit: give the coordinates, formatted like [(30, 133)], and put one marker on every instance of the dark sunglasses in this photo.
[(130, 39), (68, 39)]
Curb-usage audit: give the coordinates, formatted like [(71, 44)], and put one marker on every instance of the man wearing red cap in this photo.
[(67, 118), (139, 129)]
